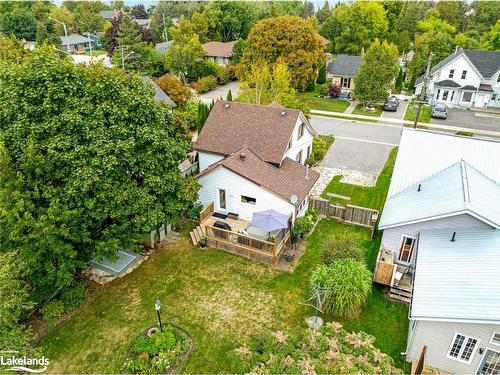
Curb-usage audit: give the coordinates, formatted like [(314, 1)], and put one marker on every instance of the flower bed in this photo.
[(158, 352)]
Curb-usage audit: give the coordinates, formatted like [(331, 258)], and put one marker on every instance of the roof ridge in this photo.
[(465, 182)]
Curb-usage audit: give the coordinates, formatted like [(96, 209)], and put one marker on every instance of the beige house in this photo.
[(343, 70), (219, 52)]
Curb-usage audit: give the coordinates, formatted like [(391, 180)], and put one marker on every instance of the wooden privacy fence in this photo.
[(207, 212), (366, 217)]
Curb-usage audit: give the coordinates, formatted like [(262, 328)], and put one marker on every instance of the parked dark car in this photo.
[(439, 111), (391, 104)]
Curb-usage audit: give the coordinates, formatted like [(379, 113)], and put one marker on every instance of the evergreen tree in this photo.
[(229, 96), (322, 75)]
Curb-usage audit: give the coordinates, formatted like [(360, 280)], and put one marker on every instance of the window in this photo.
[(445, 95), (299, 157), (452, 72), (245, 199), (462, 348), (464, 74), (467, 97), (222, 198), (301, 130), (494, 96), (437, 96), (498, 79), (345, 82), (495, 339), (289, 144), (308, 152), (406, 249), (491, 363), (452, 95)]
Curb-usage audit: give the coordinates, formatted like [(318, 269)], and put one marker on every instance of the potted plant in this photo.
[(203, 242)]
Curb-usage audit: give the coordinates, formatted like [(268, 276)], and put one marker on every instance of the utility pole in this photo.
[(421, 99), (164, 28), (90, 43)]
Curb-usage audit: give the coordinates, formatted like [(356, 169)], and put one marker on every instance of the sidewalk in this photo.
[(351, 107), (406, 123)]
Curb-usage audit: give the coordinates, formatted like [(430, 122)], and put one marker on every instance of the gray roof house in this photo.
[(74, 42), (465, 78), (107, 14), (343, 70), (160, 95), (440, 249), (163, 47)]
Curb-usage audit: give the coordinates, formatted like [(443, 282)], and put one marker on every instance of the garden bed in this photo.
[(154, 351)]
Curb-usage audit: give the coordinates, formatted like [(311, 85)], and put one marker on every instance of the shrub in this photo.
[(344, 285), (466, 134), (156, 353), (174, 88), (340, 248), (73, 296), (334, 90), (304, 224), (329, 350), (321, 74), (231, 72), (319, 149), (52, 311), (205, 84), (200, 69), (323, 90)]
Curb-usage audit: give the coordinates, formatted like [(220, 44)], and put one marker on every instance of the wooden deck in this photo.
[(236, 225)]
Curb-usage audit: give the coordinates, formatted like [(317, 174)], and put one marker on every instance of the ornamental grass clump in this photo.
[(344, 286)]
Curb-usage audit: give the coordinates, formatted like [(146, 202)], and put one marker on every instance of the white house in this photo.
[(251, 158), (440, 248), (466, 78)]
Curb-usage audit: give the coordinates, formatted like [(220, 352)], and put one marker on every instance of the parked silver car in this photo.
[(439, 111)]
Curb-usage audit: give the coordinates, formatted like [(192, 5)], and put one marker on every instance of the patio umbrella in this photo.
[(269, 220)]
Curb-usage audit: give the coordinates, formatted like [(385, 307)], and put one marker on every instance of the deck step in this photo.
[(200, 232), (401, 294), (193, 238), (399, 297), (196, 235)]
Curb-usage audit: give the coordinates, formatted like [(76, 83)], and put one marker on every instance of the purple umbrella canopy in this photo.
[(270, 220)]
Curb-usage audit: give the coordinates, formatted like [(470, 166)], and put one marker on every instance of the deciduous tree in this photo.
[(21, 24), (377, 72), (174, 88), (290, 39), (229, 20), (87, 162), (491, 39)]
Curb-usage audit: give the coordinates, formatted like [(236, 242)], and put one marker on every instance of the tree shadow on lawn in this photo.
[(218, 298)]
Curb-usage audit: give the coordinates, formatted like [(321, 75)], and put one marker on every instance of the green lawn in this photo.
[(219, 298), (361, 110), (311, 99), (411, 112), (371, 197), (96, 52)]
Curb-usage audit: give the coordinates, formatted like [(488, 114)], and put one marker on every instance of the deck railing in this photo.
[(207, 212)]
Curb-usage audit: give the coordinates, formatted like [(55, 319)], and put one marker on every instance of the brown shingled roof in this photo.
[(230, 126), (219, 49), (287, 180)]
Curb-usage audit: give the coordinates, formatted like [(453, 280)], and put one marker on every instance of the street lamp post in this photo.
[(65, 31), (158, 307)]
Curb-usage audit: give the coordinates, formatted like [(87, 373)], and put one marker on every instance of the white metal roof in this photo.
[(457, 280), (455, 190), (423, 153)]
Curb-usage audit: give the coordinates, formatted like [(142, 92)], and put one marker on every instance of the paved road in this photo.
[(362, 147), (400, 113), (470, 119), (221, 92)]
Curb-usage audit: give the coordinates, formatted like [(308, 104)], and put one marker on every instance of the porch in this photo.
[(239, 236), (398, 277)]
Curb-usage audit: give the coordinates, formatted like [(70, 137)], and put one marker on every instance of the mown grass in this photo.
[(362, 110), (311, 99), (411, 112), (371, 197)]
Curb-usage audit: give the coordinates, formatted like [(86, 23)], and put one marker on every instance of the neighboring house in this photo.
[(219, 52), (108, 15), (466, 78), (160, 95), (143, 22), (75, 42), (163, 47), (440, 245), (96, 38), (343, 70), (251, 158)]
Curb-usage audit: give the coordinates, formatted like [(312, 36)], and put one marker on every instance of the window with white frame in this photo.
[(445, 95), (467, 97), (301, 130), (452, 72), (345, 82), (245, 199), (462, 348), (495, 339), (438, 92), (464, 74)]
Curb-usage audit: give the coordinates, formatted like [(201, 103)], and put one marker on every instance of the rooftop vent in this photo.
[(283, 113), (227, 105), (243, 156), (453, 236)]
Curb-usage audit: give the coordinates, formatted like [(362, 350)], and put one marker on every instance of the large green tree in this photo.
[(288, 38), (229, 20), (20, 23), (88, 160), (360, 23), (491, 39), (377, 72)]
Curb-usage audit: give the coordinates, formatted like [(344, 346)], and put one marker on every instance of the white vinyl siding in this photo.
[(236, 187), (439, 335), (206, 159), (299, 144)]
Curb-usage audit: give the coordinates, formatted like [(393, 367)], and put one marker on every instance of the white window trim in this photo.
[(247, 196), (403, 236), (472, 354), (491, 339), (483, 357)]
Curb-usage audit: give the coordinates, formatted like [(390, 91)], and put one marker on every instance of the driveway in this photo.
[(470, 119), (221, 92), (359, 152), (399, 114)]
